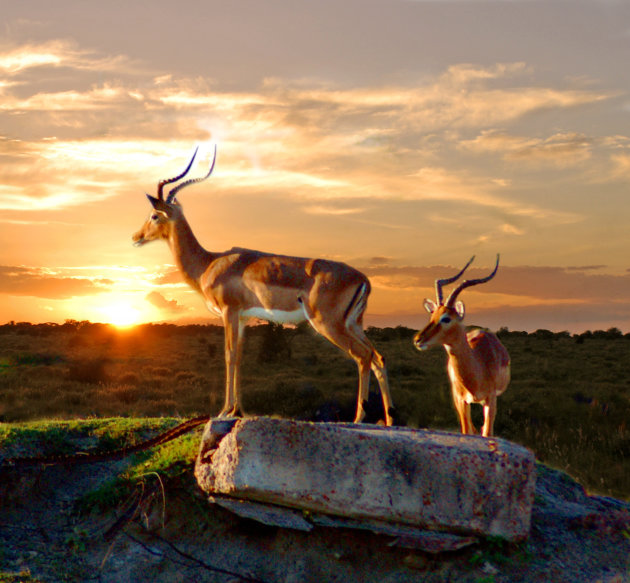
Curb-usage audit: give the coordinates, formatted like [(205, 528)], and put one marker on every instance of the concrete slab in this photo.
[(432, 480)]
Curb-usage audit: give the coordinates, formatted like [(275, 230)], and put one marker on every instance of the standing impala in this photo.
[(240, 284), (478, 364)]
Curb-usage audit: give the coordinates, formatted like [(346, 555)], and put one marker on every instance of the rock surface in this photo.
[(431, 480)]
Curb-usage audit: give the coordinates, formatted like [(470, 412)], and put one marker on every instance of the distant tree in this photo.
[(544, 334), (614, 333), (503, 332)]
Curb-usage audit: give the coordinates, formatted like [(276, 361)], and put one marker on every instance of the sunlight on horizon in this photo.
[(121, 314)]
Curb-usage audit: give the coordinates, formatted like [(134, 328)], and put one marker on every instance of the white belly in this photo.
[(277, 316), (214, 309)]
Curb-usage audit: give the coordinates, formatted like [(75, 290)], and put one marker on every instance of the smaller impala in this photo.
[(478, 364)]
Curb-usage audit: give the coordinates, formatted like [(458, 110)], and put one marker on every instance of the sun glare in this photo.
[(121, 314)]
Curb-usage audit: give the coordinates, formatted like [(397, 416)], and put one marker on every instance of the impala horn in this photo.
[(469, 282), (166, 181), (441, 282), (174, 191)]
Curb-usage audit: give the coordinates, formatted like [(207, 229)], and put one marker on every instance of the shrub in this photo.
[(125, 394), (129, 378), (158, 371), (90, 371), (274, 344)]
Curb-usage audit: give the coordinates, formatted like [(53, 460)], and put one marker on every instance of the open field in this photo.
[(569, 399)]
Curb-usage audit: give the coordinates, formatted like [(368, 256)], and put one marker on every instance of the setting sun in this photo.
[(402, 166), (121, 314)]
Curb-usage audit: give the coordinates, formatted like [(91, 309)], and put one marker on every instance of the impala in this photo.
[(478, 364), (240, 284)]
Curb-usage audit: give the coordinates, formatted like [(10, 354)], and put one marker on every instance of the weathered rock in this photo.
[(402, 535), (431, 480)]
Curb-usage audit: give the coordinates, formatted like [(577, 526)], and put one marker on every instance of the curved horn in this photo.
[(469, 282), (162, 183), (441, 282), (174, 191)]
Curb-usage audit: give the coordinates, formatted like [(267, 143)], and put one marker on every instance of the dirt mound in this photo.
[(167, 531)]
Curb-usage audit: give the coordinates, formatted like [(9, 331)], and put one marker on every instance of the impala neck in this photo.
[(461, 357), (191, 258)]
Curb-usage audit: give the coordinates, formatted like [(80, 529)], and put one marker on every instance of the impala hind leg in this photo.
[(359, 350), (356, 345), (348, 335), (363, 364), (380, 372), (377, 364)]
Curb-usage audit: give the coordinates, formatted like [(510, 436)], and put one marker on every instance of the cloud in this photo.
[(24, 57), (331, 210), (520, 297), (379, 261), (96, 98), (171, 276), (561, 150), (304, 139), (575, 317), (39, 282), (17, 60), (533, 284), (157, 300), (621, 166)]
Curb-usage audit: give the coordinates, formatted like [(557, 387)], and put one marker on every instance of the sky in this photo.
[(399, 136)]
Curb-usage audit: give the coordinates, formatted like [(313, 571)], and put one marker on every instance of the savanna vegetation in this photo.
[(569, 399)]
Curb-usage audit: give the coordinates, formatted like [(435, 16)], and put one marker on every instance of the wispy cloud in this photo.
[(332, 210), (15, 60), (561, 150), (40, 282), (314, 141), (531, 284)]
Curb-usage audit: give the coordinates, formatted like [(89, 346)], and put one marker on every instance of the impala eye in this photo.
[(154, 217), (445, 320)]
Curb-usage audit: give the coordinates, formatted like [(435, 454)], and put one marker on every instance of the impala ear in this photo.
[(460, 309), (429, 305), (159, 205)]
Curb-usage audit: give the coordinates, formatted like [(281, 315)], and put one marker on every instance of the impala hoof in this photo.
[(234, 412)]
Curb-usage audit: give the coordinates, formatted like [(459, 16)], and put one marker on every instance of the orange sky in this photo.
[(401, 142)]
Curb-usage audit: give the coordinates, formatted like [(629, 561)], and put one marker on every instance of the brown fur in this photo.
[(478, 364), (243, 283)]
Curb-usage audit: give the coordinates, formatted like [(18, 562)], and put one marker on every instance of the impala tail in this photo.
[(357, 304)]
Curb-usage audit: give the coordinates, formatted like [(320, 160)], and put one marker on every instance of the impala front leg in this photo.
[(463, 412), (490, 412), (234, 335)]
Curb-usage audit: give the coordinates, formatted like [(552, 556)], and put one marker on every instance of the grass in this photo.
[(23, 577), (569, 399), (149, 476), (56, 437), (168, 463)]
